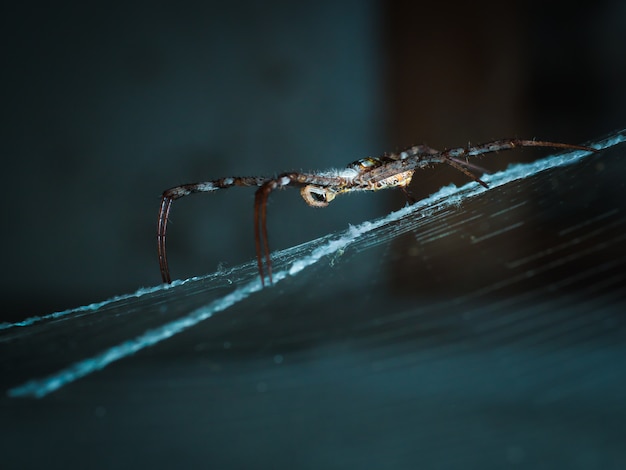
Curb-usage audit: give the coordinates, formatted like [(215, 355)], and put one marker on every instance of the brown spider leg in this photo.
[(261, 240), (507, 144), (451, 156), (467, 164), (464, 170), (260, 201), (164, 211)]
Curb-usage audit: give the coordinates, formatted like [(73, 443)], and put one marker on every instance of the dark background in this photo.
[(105, 106)]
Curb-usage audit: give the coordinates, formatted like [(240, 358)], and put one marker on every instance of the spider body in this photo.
[(318, 189), (352, 179)]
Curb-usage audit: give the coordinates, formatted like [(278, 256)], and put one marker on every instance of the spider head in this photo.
[(317, 196)]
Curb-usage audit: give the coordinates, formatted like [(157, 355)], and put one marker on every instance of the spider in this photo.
[(319, 188)]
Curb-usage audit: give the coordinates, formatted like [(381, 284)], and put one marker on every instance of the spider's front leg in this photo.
[(454, 156)]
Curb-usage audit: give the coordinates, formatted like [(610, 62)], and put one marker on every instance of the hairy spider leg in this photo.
[(184, 190), (507, 144), (453, 157)]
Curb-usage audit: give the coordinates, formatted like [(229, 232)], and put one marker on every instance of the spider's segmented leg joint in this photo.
[(178, 192)]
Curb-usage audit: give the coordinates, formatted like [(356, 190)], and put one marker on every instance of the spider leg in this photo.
[(318, 190), (164, 212), (467, 164), (260, 230), (505, 144), (452, 156), (453, 163), (260, 223), (184, 190)]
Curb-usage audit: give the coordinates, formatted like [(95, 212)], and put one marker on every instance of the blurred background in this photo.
[(104, 107)]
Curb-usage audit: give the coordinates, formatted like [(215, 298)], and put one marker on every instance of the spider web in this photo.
[(512, 295)]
